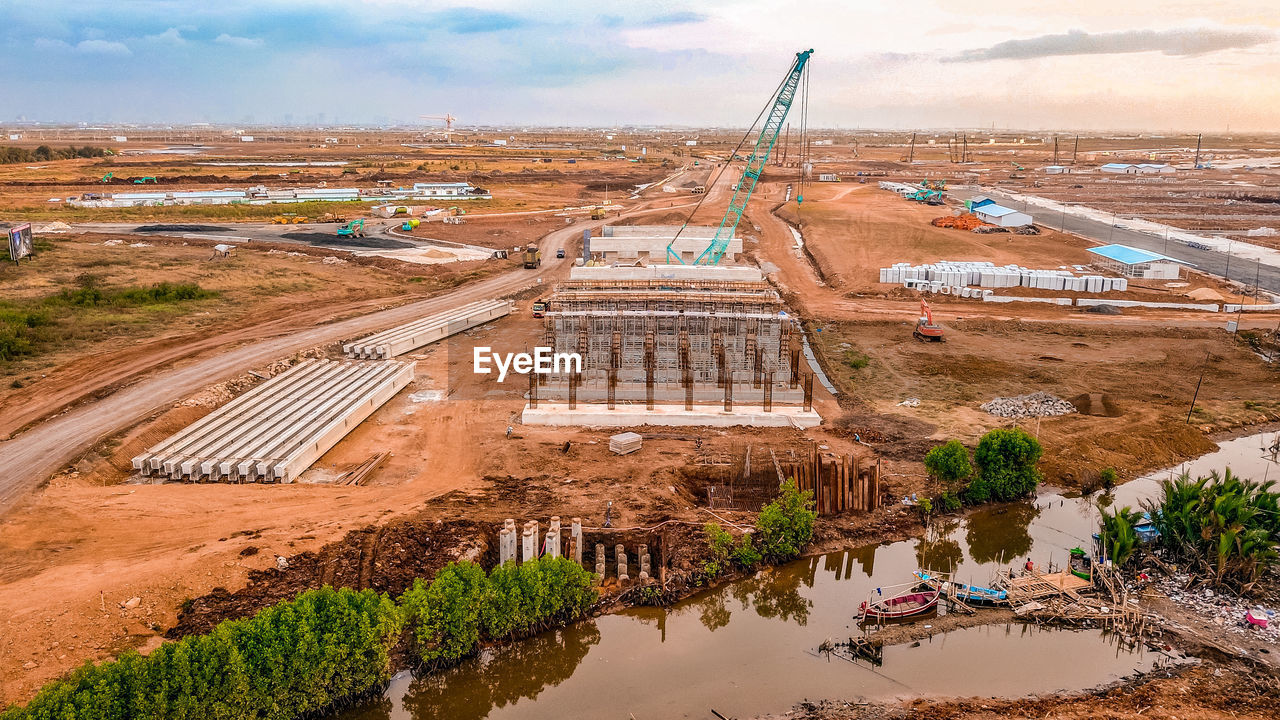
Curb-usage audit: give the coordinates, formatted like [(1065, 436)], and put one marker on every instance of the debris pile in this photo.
[(1223, 610), (964, 221), (1037, 404)]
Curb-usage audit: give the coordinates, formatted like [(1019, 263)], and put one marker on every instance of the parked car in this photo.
[(560, 253)]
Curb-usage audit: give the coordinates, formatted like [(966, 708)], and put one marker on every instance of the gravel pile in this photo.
[(1223, 610), (1038, 404)]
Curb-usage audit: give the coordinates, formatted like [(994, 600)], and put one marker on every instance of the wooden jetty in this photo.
[(1035, 585)]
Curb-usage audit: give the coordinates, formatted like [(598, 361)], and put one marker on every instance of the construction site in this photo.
[(211, 405)]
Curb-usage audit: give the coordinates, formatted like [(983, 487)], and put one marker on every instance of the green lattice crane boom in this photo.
[(755, 164)]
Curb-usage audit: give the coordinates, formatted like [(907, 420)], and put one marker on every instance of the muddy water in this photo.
[(748, 648)]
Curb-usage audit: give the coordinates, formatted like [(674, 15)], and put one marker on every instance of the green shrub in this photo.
[(1108, 478), (785, 525), (291, 659), (724, 550), (1119, 538), (948, 502), (949, 463), (1225, 527), (445, 614), (1006, 461), (522, 599)]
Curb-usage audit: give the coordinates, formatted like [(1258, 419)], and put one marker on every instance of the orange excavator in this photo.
[(925, 327)]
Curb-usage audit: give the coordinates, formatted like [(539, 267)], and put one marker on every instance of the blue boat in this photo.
[(968, 594)]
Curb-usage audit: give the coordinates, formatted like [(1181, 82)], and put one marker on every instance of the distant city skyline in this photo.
[(1170, 66)]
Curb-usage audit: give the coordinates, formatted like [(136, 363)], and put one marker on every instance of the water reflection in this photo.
[(775, 593), (747, 648), (502, 677), (1000, 534), (939, 550)]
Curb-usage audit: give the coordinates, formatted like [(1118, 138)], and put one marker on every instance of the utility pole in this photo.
[(911, 154), (1055, 149), (1196, 164), (1075, 150), (964, 153)]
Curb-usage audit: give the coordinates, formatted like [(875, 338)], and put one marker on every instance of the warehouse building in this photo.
[(1001, 215), (1137, 263)]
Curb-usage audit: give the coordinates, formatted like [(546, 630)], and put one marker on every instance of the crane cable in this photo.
[(772, 98)]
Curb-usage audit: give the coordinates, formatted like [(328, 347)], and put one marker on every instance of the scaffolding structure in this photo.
[(697, 340)]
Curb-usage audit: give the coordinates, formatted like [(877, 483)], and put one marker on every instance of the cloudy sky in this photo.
[(1088, 64)]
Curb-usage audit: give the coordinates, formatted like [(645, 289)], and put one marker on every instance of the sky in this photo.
[(1153, 65)]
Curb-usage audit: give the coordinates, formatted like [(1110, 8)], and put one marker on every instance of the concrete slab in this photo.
[(559, 415)]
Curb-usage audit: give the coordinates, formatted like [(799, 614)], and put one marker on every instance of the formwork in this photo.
[(695, 340), (413, 335), (274, 432)]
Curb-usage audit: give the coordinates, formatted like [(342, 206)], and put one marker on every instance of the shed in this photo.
[(978, 201), (1137, 263), (828, 177), (1122, 168), (1002, 216), (1057, 170)]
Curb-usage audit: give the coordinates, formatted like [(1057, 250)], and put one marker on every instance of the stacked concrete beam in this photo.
[(276, 431), (411, 336)]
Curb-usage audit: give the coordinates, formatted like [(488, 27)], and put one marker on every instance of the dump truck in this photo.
[(410, 224), (532, 257), (539, 307)]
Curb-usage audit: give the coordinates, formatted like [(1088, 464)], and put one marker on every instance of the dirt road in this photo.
[(30, 458)]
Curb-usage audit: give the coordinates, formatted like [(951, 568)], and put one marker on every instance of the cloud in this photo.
[(676, 18), (103, 47), (1184, 42), (237, 41), (172, 36), (464, 21)]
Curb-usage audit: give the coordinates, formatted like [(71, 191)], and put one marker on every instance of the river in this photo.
[(748, 647)]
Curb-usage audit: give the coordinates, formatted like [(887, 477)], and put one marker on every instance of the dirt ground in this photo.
[(1203, 691), (73, 554), (262, 288)]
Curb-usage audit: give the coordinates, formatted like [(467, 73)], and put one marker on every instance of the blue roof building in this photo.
[(1137, 263)]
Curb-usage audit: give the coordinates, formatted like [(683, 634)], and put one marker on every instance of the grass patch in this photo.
[(86, 312)]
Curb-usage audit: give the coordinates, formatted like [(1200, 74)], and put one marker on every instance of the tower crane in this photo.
[(448, 124), (775, 113)]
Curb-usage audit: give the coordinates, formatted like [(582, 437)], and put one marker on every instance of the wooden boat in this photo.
[(967, 594), (921, 599), (1080, 564)]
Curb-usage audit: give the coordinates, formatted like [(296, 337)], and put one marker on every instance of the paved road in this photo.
[(30, 458), (1210, 261)]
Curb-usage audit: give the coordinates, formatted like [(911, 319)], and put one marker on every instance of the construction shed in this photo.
[(1137, 263), (1002, 216), (978, 201)]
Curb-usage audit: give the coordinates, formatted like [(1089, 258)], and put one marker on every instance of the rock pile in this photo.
[(1037, 404)]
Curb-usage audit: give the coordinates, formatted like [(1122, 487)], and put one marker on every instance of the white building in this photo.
[(1119, 168), (1136, 262), (1057, 170), (1002, 216), (647, 244)]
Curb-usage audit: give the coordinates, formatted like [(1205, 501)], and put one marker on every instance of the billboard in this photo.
[(20, 241)]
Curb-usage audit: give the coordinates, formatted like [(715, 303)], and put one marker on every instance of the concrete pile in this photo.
[(988, 275), (1037, 404), (411, 336), (274, 432)]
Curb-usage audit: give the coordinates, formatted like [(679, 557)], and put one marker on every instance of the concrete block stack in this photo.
[(277, 430), (411, 336)]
